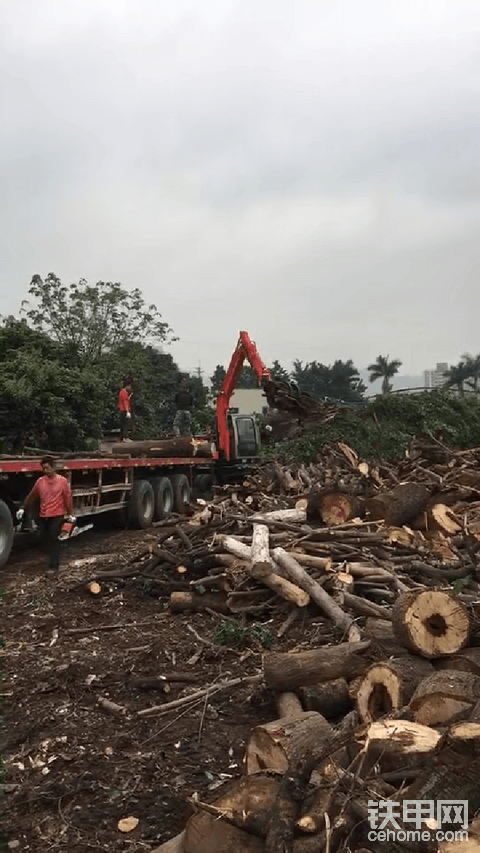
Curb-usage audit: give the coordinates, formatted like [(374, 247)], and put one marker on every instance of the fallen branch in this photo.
[(159, 710)]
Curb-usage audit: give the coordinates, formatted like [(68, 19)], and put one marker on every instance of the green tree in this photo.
[(217, 378), (456, 376), (340, 381), (384, 369), (472, 364), (279, 372), (89, 321)]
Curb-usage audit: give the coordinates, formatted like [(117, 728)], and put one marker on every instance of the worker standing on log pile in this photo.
[(54, 494), (124, 408), (182, 422)]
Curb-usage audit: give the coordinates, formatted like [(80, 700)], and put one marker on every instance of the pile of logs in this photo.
[(389, 711)]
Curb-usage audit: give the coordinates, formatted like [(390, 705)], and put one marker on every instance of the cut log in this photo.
[(322, 563), (293, 516), (164, 447), (445, 697), (333, 507), (289, 705), (402, 737), (289, 670), (448, 776), (93, 588), (190, 601), (175, 845), (272, 745), (259, 551), (240, 814), (467, 729), (400, 506), (466, 660), (331, 699), (313, 818), (431, 623), (283, 587), (441, 517), (299, 576), (387, 687)]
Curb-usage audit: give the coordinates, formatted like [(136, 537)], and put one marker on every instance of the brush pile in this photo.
[(386, 716)]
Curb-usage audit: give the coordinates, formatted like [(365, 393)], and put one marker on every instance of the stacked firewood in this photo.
[(388, 714)]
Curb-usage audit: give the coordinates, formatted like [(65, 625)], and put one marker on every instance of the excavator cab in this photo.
[(244, 437)]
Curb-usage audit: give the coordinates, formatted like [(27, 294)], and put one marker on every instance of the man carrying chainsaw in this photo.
[(55, 498)]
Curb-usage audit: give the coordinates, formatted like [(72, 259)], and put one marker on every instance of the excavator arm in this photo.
[(245, 349), (279, 395)]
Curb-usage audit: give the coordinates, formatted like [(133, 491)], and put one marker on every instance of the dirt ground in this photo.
[(73, 768)]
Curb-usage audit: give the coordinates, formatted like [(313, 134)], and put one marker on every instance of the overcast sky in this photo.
[(307, 170)]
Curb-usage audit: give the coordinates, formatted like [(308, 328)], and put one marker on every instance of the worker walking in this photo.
[(53, 492), (124, 408), (182, 422)]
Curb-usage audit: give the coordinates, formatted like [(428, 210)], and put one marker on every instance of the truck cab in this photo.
[(244, 436)]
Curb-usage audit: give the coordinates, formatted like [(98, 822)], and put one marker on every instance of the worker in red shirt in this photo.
[(125, 409), (53, 492)]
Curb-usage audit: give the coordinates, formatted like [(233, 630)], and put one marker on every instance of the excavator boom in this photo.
[(278, 394)]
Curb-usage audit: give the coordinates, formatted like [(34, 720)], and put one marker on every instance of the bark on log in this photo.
[(174, 845), (308, 560), (467, 729), (445, 697), (181, 446), (331, 699), (289, 705), (247, 805), (272, 745), (189, 601), (431, 623), (400, 506), (283, 587), (448, 776), (313, 818), (293, 516), (298, 575), (289, 670), (387, 687), (466, 660)]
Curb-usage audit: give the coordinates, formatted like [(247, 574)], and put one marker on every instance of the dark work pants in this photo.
[(49, 530), (123, 425)]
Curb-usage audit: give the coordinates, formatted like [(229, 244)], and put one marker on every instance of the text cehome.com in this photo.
[(416, 835)]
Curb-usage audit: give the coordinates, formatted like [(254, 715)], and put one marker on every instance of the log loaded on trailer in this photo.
[(149, 479)]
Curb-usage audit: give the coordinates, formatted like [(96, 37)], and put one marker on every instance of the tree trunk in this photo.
[(431, 623), (289, 670), (387, 687), (400, 506), (180, 446), (331, 699), (333, 507), (272, 745), (445, 697), (182, 601), (248, 803), (289, 705), (298, 575), (466, 660), (402, 737), (175, 845)]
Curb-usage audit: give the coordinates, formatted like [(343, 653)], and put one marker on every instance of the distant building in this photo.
[(248, 401), (435, 378)]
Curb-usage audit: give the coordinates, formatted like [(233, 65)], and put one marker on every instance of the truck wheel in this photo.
[(203, 485), (141, 504), (163, 497), (6, 533), (181, 492)]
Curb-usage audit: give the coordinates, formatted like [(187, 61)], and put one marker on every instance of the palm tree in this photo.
[(457, 375), (472, 364), (384, 369)]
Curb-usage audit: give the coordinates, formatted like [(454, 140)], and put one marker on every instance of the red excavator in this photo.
[(238, 435)]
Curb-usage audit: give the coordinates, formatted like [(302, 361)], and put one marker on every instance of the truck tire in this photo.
[(141, 504), (203, 485), (163, 497), (6, 533), (181, 492)]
